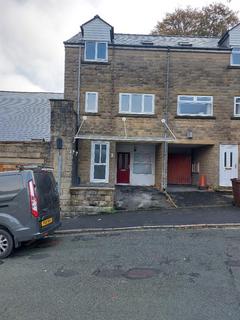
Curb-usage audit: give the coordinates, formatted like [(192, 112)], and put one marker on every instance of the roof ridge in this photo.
[(44, 92), (162, 35)]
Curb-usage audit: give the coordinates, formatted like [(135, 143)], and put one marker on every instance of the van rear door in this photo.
[(47, 198)]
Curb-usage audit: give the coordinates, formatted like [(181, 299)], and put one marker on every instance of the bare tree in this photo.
[(212, 20)]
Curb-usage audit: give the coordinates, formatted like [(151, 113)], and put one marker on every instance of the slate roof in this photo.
[(25, 116), (158, 40)]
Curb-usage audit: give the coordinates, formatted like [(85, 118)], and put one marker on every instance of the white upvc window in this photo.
[(136, 103), (195, 106), (91, 102), (235, 57), (96, 51), (237, 106), (99, 162)]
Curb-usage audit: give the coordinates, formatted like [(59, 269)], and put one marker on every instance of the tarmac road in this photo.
[(155, 274)]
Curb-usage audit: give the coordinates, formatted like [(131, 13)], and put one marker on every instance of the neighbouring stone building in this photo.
[(25, 131), (144, 110)]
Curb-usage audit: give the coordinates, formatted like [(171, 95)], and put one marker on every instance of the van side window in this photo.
[(10, 183)]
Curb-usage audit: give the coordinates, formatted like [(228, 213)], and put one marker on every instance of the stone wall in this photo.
[(207, 74), (24, 153), (208, 163), (63, 126), (91, 200)]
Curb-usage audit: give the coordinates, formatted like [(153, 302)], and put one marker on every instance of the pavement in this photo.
[(228, 216)]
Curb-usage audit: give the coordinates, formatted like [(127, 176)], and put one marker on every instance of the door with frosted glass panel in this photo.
[(228, 164)]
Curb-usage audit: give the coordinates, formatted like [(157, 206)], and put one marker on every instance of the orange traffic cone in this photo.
[(202, 182)]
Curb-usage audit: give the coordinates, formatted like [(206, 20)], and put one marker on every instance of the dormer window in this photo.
[(235, 57), (96, 51)]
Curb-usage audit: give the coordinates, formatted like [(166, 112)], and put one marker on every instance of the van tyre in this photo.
[(6, 243)]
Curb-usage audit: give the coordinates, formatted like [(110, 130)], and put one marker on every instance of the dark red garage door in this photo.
[(179, 169)]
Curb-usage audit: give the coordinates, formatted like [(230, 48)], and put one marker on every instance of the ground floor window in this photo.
[(142, 163), (99, 161)]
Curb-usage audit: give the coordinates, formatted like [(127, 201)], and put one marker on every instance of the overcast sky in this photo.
[(32, 33)]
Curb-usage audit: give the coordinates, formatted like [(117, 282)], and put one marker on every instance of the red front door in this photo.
[(123, 167), (179, 169)]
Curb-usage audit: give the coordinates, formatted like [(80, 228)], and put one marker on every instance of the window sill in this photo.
[(97, 186), (233, 67), (196, 117), (95, 62), (132, 115), (235, 118), (91, 114)]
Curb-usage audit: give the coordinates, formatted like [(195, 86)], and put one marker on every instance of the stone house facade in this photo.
[(149, 110), (137, 110)]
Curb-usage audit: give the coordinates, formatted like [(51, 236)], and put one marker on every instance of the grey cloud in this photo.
[(31, 40)]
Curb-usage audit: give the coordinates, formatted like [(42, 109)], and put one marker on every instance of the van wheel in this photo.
[(6, 244)]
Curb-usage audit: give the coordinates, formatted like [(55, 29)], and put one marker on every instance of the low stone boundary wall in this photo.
[(91, 200)]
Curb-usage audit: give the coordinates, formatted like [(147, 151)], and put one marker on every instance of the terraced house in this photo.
[(151, 110)]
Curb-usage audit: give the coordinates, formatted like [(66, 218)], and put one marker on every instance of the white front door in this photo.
[(228, 164)]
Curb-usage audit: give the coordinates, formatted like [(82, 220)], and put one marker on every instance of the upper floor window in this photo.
[(136, 103), (237, 106), (195, 106), (91, 102), (235, 57), (96, 51)]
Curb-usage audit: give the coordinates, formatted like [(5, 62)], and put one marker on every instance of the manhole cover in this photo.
[(141, 273)]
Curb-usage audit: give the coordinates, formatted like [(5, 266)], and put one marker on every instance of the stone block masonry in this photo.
[(24, 153), (91, 200), (63, 126)]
